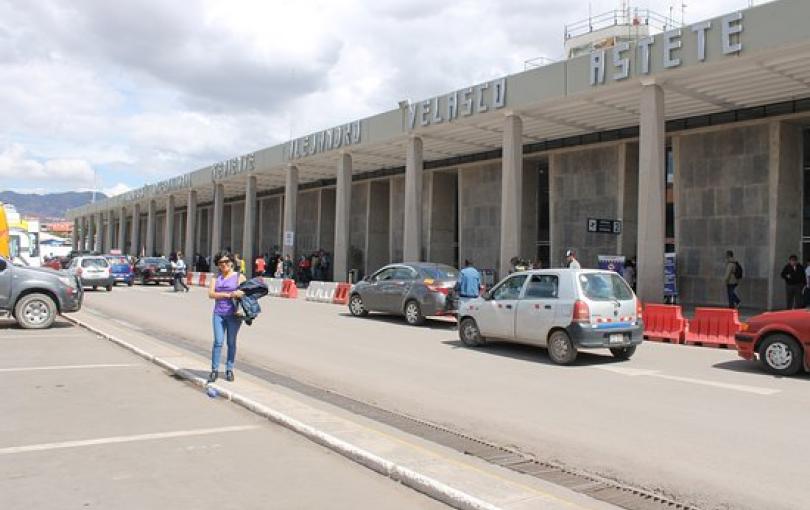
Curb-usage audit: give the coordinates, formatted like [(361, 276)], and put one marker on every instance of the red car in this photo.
[(781, 341)]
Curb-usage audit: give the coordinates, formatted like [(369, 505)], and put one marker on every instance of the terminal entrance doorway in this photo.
[(806, 201)]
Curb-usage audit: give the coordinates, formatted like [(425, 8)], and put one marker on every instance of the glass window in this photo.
[(509, 289), (604, 287), (542, 286), (385, 274), (118, 260), (404, 273), (440, 272), (95, 263)]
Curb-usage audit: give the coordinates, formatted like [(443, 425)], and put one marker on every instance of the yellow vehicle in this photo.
[(4, 237)]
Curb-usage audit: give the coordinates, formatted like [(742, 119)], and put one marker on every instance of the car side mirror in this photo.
[(487, 295)]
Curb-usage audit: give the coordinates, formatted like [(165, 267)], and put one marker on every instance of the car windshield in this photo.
[(95, 263), (117, 260), (440, 272), (157, 261), (604, 287)]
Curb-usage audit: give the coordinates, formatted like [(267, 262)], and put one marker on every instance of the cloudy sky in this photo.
[(120, 93)]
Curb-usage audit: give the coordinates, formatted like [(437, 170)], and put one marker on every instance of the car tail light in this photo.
[(639, 309), (581, 312), (436, 287), (744, 326)]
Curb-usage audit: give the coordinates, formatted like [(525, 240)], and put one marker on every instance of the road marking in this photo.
[(127, 324), (66, 367), (639, 372), (123, 439)]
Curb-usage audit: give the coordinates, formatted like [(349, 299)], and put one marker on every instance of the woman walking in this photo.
[(224, 289)]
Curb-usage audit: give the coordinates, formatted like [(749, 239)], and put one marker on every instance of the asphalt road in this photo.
[(697, 423), (86, 424)]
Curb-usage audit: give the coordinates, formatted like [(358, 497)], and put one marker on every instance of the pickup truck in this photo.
[(34, 296)]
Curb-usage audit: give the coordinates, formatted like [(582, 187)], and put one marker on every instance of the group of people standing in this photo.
[(795, 275), (315, 266)]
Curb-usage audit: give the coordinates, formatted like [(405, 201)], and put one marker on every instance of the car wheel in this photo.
[(561, 349), (780, 354), (413, 313), (109, 288), (357, 307), (623, 352), (35, 311), (95, 287), (469, 333), (129, 283)]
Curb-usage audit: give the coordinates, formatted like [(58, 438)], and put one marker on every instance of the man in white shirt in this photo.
[(571, 261), (179, 273)]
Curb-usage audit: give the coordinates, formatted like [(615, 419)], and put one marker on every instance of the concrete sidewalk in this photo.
[(456, 479)]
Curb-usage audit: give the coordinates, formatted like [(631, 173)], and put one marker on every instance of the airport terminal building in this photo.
[(695, 140)]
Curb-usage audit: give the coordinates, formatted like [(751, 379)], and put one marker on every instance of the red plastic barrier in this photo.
[(342, 294), (289, 289), (190, 278), (664, 323), (202, 279), (713, 327)]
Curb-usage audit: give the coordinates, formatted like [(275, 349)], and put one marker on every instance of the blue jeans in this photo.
[(733, 300), (224, 325)]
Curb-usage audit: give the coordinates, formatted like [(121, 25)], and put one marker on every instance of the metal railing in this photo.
[(618, 17)]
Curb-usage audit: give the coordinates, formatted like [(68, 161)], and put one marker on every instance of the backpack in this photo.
[(738, 270)]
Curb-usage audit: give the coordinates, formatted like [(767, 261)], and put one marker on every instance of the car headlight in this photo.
[(67, 281)]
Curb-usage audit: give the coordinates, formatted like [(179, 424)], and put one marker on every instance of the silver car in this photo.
[(92, 271), (414, 290), (563, 310)]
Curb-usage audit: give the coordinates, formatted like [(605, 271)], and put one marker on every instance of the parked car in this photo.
[(415, 290), (121, 269), (153, 270), (92, 271), (780, 340), (34, 296), (564, 310)]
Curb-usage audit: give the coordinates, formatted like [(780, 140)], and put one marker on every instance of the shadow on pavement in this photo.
[(11, 324), (443, 325), (533, 354), (753, 367)]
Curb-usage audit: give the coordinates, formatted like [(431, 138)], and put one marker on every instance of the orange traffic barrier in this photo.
[(664, 323), (713, 327), (190, 278), (342, 294), (202, 279), (289, 289)]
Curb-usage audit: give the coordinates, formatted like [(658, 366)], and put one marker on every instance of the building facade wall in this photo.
[(584, 185), (397, 218), (270, 225), (358, 222), (480, 214), (306, 228), (442, 232), (723, 204), (327, 225), (378, 225)]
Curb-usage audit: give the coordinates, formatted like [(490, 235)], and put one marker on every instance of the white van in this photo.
[(563, 310)]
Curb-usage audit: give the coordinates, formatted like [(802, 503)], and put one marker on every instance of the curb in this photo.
[(406, 476)]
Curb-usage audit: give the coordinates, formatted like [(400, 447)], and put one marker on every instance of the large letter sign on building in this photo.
[(670, 43)]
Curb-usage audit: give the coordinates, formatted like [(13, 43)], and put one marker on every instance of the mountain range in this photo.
[(50, 206)]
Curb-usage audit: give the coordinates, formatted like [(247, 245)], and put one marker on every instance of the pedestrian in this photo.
[(260, 264), (571, 261), (287, 266), (807, 284), (316, 266), (179, 272), (795, 279), (538, 264), (629, 273), (325, 265), (224, 290), (731, 279), (468, 285), (279, 273), (240, 264)]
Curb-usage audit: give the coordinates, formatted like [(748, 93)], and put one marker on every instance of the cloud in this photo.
[(15, 164), (116, 190)]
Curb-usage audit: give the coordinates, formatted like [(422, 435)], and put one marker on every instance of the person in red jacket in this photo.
[(260, 265)]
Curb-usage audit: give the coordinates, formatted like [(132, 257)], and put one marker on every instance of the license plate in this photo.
[(617, 339)]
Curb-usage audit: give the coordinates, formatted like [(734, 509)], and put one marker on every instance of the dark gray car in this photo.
[(414, 290)]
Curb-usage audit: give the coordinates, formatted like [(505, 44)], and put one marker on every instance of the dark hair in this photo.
[(729, 253), (224, 254), (467, 262), (793, 257)]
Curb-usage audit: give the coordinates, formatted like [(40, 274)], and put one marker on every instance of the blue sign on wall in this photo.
[(670, 275)]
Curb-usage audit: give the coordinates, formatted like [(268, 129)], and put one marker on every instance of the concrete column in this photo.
[(290, 211), (248, 241), (191, 228), (511, 191), (135, 241), (122, 225), (74, 235), (150, 228), (343, 201), (412, 235), (91, 232), (216, 221), (651, 198), (168, 228), (108, 231)]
